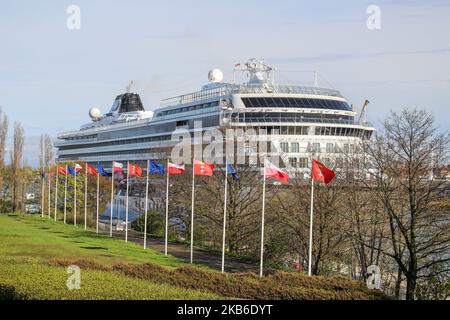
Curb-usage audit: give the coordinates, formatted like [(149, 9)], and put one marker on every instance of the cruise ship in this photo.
[(300, 121)]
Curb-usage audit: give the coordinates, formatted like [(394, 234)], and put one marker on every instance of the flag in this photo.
[(43, 174), (237, 65), (203, 168), (321, 173), (175, 168), (156, 168), (135, 170), (272, 171), (50, 172), (102, 171), (78, 167), (62, 170), (91, 170), (233, 173), (117, 167), (72, 170)]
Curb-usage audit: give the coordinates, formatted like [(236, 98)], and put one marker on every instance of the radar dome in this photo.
[(215, 75), (95, 113)]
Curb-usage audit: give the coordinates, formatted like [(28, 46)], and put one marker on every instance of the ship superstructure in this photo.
[(300, 120)]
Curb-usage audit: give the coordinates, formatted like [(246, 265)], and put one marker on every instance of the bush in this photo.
[(279, 285), (155, 224)]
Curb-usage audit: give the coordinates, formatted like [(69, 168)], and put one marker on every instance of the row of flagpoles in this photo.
[(319, 172)]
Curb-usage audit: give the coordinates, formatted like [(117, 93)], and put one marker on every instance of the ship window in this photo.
[(316, 147), (284, 146), (330, 147), (277, 102), (295, 147), (293, 162), (303, 162)]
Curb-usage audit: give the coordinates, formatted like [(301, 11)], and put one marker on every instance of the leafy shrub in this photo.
[(279, 285), (155, 224)]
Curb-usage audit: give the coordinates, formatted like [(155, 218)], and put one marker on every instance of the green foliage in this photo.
[(34, 253), (5, 206), (25, 278), (155, 224)]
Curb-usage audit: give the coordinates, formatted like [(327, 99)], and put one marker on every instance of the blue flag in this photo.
[(156, 168), (233, 173), (102, 171), (72, 170)]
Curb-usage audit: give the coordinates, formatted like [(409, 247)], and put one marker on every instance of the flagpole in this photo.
[(146, 205), (85, 195), (224, 216), (56, 191), (126, 208), (98, 192), (167, 209), (49, 191), (43, 183), (311, 227), (65, 196), (43, 192), (192, 212), (75, 199), (262, 221), (112, 200)]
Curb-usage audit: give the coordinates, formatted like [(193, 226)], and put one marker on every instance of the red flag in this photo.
[(62, 170), (91, 170), (272, 171), (321, 173), (135, 170), (203, 168), (176, 168)]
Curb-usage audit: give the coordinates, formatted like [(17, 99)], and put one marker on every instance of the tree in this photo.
[(3, 135), (408, 157), (45, 159), (16, 165)]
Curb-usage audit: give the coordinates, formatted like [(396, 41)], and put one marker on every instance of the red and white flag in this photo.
[(321, 173), (274, 172), (135, 170), (203, 168), (78, 167), (174, 168), (117, 167)]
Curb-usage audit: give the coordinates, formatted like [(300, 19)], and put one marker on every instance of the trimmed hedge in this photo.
[(277, 286)]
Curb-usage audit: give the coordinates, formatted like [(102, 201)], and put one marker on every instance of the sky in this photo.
[(51, 75)]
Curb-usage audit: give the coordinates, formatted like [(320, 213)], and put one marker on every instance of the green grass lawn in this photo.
[(35, 251), (29, 243)]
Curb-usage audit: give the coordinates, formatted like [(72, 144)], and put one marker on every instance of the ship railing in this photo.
[(262, 88)]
